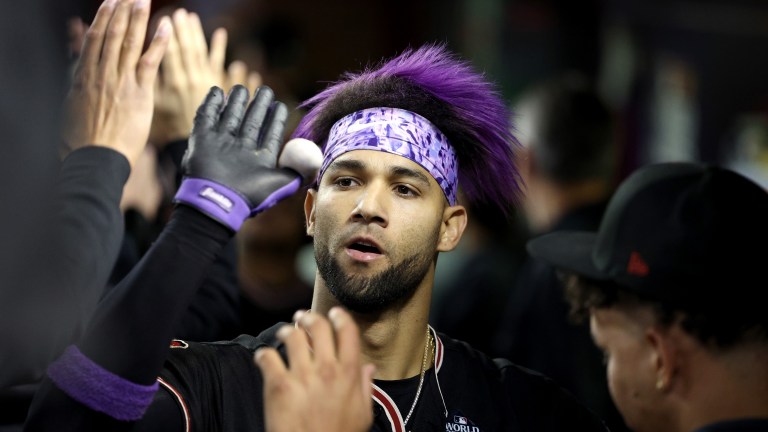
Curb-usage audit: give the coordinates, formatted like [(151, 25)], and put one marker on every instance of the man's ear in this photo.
[(452, 228), (666, 356), (309, 211)]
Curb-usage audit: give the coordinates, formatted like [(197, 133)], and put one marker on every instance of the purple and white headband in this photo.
[(399, 132)]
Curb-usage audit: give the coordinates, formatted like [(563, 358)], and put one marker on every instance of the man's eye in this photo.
[(405, 190), (344, 182)]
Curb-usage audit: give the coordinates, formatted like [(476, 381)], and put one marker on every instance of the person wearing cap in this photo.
[(671, 283), (397, 140)]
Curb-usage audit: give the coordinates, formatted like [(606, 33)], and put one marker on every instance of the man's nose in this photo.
[(371, 205)]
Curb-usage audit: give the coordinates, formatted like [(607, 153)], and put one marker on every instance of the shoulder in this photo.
[(545, 400), (197, 354), (536, 401)]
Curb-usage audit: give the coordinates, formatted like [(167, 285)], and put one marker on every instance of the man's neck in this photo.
[(742, 376), (393, 340)]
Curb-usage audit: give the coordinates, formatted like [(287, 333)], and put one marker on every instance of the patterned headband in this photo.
[(399, 132)]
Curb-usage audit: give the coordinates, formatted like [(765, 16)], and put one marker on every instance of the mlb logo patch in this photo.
[(458, 422)]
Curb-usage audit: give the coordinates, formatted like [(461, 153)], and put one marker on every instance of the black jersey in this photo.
[(217, 387)]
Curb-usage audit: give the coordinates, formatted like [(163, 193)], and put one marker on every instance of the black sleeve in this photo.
[(542, 405), (53, 292), (214, 313), (130, 333), (131, 330)]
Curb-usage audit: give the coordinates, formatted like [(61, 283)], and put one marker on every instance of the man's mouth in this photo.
[(364, 250)]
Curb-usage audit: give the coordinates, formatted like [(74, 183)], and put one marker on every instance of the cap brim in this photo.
[(568, 250)]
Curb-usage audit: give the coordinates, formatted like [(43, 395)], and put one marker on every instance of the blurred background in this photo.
[(685, 78)]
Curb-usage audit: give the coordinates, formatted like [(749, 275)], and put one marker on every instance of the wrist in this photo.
[(215, 200)]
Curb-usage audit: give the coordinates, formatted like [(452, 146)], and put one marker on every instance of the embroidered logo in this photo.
[(636, 265), (457, 422), (220, 200)]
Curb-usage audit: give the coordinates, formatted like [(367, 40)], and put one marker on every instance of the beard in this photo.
[(372, 294)]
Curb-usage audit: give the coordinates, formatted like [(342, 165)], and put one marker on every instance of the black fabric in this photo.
[(130, 332), (222, 388), (49, 301), (743, 425), (536, 332)]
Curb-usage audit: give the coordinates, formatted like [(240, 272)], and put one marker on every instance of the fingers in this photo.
[(76, 29), (237, 73), (218, 51), (150, 61), (321, 335), (191, 57), (297, 347), (367, 380), (234, 110), (254, 81), (272, 367), (133, 42), (255, 117), (173, 68), (272, 130), (197, 39), (347, 337), (94, 41), (118, 25), (207, 115)]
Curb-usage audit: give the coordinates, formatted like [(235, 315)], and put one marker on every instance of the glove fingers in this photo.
[(234, 111), (255, 117), (208, 112), (272, 130)]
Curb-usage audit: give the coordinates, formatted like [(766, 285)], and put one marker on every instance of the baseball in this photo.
[(302, 156)]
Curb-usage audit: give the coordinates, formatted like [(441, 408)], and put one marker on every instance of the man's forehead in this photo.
[(378, 160)]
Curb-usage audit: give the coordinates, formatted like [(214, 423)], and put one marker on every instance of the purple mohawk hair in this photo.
[(471, 114)]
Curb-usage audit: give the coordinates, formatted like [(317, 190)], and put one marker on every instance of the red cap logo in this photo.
[(636, 265)]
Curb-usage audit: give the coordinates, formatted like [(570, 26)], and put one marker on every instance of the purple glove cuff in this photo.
[(215, 200), (278, 195), (99, 389)]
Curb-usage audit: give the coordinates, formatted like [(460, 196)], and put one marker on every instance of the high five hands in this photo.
[(189, 69), (326, 387), (111, 100)]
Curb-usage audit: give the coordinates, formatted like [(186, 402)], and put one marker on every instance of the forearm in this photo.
[(57, 287), (130, 332)]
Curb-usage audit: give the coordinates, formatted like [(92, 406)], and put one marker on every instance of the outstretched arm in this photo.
[(109, 110), (230, 174)]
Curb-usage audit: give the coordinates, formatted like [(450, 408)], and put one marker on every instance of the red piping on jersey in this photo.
[(393, 414), (187, 422)]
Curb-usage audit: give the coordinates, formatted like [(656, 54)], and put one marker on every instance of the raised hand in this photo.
[(189, 70), (110, 103), (230, 167), (326, 388)]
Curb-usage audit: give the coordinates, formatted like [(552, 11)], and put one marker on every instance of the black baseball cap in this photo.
[(678, 233)]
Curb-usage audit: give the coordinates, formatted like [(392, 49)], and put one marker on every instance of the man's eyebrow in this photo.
[(351, 165), (399, 171), (395, 171)]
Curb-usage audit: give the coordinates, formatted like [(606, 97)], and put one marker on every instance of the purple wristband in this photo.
[(215, 200), (99, 389)]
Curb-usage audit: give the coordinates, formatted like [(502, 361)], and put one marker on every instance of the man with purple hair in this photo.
[(398, 143)]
